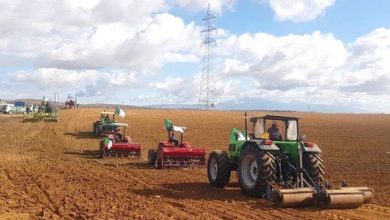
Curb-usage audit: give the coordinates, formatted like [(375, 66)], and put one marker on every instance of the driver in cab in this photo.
[(274, 132)]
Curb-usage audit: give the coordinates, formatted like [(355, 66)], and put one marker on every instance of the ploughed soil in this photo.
[(50, 170)]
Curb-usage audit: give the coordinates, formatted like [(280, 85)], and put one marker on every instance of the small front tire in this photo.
[(218, 169)]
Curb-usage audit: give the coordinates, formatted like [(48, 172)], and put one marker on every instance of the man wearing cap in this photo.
[(274, 132)]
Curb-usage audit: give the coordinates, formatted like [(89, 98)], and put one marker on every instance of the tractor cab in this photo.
[(275, 128), (272, 133), (107, 116), (105, 124), (281, 131)]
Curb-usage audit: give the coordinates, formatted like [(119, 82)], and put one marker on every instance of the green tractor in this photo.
[(106, 123), (277, 164), (46, 112)]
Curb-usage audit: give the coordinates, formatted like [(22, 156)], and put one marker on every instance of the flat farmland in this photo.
[(51, 170)]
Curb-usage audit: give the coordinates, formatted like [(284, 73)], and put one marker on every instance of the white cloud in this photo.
[(166, 37), (286, 62), (186, 90), (195, 5), (96, 47), (368, 68), (87, 82), (299, 10), (312, 68), (89, 43), (169, 84), (127, 11), (136, 34), (176, 89)]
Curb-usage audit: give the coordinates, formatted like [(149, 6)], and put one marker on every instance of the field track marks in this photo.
[(40, 192)]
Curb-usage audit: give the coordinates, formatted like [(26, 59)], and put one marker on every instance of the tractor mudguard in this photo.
[(311, 147), (271, 147)]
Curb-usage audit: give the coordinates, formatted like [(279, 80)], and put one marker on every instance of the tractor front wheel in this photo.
[(218, 168), (256, 170)]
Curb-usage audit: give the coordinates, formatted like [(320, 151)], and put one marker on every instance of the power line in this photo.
[(207, 82)]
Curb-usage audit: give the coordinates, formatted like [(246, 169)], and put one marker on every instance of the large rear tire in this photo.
[(152, 157), (256, 170), (218, 168), (94, 128), (312, 163)]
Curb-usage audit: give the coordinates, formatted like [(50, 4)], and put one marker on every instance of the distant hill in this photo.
[(267, 105), (260, 104)]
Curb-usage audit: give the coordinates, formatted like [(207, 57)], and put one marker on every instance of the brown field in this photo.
[(50, 170)]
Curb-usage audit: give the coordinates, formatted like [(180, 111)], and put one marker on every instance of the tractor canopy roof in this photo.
[(107, 113), (273, 117), (119, 124), (170, 127), (291, 129)]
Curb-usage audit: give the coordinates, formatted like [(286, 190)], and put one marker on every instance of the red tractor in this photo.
[(116, 143), (71, 103), (176, 153)]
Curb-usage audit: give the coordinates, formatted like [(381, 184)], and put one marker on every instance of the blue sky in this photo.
[(346, 19), (333, 54)]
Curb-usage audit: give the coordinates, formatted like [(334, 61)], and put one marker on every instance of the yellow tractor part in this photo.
[(343, 198), (289, 198)]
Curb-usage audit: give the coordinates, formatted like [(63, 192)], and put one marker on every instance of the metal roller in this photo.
[(367, 192), (340, 199), (295, 197)]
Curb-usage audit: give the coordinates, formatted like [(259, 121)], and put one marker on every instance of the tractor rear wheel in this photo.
[(152, 157), (256, 170), (94, 128), (99, 130), (218, 168), (312, 163)]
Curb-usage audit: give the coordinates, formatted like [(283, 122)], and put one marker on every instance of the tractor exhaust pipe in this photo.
[(246, 127)]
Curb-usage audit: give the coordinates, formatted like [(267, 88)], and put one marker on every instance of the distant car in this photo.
[(20, 108), (36, 108), (8, 108), (2, 104)]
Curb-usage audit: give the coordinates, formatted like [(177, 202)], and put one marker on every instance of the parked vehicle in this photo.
[(2, 104), (20, 108), (8, 108)]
